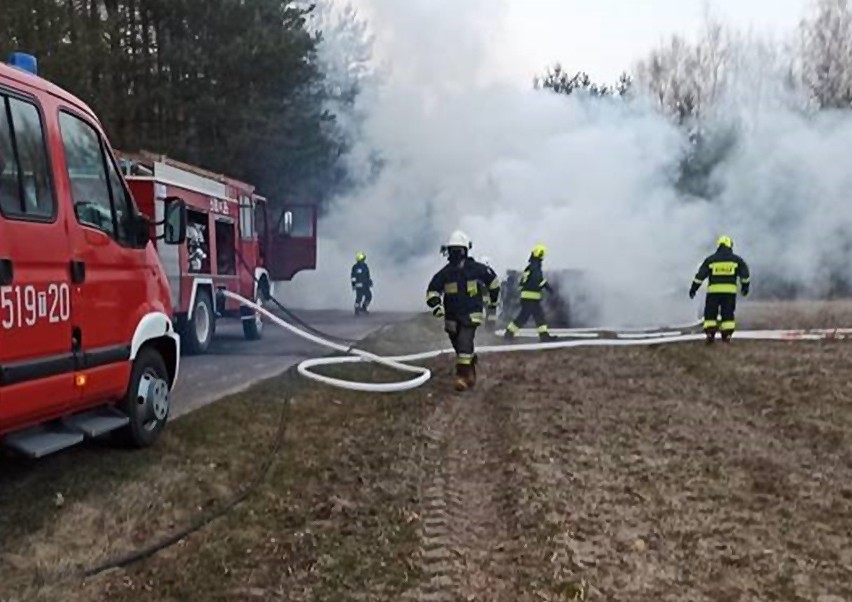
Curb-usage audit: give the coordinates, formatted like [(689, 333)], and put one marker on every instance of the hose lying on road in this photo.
[(402, 363)]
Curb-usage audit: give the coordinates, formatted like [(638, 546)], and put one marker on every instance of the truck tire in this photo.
[(252, 321), (147, 402), (198, 331)]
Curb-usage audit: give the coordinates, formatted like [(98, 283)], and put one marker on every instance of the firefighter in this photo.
[(455, 294), (722, 269), (532, 283), (361, 283)]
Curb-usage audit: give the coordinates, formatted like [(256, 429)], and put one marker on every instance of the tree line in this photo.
[(234, 86)]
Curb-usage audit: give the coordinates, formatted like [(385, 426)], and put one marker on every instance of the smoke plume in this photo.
[(592, 179)]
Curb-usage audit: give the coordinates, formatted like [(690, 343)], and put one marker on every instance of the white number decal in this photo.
[(26, 305), (31, 311), (219, 206), (8, 307)]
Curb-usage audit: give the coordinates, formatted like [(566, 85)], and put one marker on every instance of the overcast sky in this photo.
[(602, 37)]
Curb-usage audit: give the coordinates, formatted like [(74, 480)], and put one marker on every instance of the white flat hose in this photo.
[(402, 363)]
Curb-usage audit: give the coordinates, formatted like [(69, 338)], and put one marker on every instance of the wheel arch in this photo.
[(203, 284), (156, 330), (261, 275)]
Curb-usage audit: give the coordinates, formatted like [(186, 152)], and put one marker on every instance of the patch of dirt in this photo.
[(466, 511), (681, 473)]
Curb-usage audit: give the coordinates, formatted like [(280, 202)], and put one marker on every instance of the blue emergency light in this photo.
[(24, 62)]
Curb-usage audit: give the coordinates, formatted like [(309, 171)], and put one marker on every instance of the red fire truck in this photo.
[(87, 343), (232, 244)]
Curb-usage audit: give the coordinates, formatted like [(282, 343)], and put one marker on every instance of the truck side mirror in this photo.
[(174, 224)]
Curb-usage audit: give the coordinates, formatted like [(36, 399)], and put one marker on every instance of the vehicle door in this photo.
[(292, 242), (111, 293), (36, 356)]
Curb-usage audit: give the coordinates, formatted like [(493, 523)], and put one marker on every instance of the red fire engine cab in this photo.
[(231, 244), (87, 343)]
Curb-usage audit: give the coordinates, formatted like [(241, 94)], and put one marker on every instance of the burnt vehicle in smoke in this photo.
[(568, 306)]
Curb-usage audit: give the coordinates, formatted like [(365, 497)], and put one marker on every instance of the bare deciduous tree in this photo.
[(826, 54)]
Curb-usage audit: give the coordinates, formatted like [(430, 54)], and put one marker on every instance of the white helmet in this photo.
[(459, 239)]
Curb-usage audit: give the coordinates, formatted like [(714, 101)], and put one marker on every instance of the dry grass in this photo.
[(671, 473)]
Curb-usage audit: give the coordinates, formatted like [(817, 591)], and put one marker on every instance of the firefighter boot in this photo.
[(460, 383), (711, 335), (546, 337), (470, 377), (726, 336)]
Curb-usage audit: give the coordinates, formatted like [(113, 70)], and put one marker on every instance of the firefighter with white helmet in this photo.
[(455, 294)]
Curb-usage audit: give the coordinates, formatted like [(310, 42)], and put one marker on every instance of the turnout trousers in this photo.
[(363, 297), (529, 309), (462, 335), (719, 310)]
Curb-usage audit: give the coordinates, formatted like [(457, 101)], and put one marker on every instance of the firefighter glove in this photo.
[(692, 290), (438, 311), (745, 288)]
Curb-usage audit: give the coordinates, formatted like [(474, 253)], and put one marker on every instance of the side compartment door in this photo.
[(36, 356), (292, 241)]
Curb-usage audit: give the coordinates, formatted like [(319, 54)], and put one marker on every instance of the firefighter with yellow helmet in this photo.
[(362, 283), (455, 294), (533, 283), (722, 270)]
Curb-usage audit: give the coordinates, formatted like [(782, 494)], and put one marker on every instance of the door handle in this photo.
[(78, 271), (7, 272)]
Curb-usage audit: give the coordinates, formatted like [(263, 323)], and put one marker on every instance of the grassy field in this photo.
[(669, 473)]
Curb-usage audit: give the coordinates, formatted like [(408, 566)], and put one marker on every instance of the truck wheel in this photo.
[(252, 320), (198, 331), (147, 402)]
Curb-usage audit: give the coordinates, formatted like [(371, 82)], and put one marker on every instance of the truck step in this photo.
[(43, 440), (98, 422)]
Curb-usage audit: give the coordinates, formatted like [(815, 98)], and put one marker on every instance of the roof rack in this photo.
[(147, 159)]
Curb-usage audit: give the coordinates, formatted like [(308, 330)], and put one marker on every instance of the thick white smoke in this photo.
[(592, 179)]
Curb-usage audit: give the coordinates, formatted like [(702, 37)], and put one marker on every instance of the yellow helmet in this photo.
[(539, 251), (725, 241), (360, 256)]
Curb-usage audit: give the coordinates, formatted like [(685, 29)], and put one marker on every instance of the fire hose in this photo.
[(581, 338)]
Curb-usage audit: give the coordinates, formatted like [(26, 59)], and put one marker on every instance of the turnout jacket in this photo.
[(457, 288), (361, 276), (722, 269), (533, 281)]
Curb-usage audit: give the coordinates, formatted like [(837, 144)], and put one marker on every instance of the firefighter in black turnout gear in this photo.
[(455, 294), (533, 283), (361, 284), (722, 269)]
